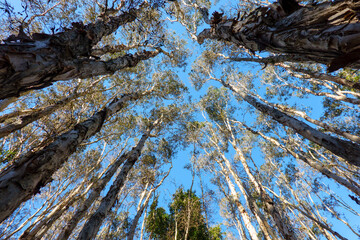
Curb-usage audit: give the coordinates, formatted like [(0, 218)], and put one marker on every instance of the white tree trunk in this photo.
[(347, 150), (93, 224), (24, 179)]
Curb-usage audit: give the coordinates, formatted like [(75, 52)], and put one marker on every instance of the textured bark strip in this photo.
[(24, 179), (347, 150), (327, 33), (24, 120), (38, 62), (280, 59), (92, 226)]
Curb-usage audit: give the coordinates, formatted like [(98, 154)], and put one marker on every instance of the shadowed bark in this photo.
[(24, 179), (327, 33), (37, 62)]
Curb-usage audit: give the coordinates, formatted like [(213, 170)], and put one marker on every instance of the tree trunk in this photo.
[(244, 214), (92, 226), (34, 115), (37, 62), (95, 193), (142, 207), (347, 150), (315, 165), (280, 219), (327, 33), (24, 179)]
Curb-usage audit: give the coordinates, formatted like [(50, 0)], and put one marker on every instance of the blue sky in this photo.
[(181, 176)]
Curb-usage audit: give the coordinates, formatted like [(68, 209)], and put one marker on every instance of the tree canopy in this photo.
[(106, 103)]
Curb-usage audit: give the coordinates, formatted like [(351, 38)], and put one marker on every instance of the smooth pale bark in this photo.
[(265, 227), (312, 163), (94, 194), (189, 207), (30, 173), (93, 224), (281, 222), (326, 33), (347, 150), (36, 62), (244, 214), (227, 170)]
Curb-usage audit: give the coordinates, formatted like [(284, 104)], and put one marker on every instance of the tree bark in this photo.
[(92, 226), (24, 179), (244, 214), (327, 33), (43, 59), (34, 115), (349, 151), (315, 165)]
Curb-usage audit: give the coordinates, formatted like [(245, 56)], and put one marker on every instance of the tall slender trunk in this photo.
[(93, 224), (189, 207), (142, 207), (345, 149), (33, 232), (278, 29), (244, 214), (317, 166), (96, 190), (24, 179), (280, 219)]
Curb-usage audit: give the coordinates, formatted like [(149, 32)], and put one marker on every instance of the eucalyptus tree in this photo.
[(158, 121), (37, 60), (286, 27), (47, 130), (39, 166)]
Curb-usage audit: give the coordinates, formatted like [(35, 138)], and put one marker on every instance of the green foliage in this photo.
[(157, 222), (185, 210), (6, 156)]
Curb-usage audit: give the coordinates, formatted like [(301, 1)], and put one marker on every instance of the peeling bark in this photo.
[(327, 33), (38, 62), (280, 59), (24, 179)]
